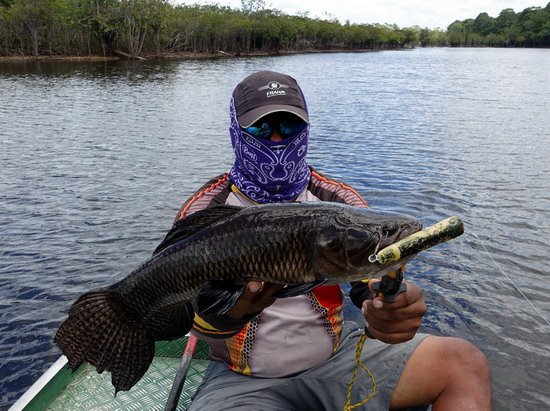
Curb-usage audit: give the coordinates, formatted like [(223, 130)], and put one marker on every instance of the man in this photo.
[(297, 353)]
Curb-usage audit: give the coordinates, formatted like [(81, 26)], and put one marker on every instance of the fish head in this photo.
[(344, 248)]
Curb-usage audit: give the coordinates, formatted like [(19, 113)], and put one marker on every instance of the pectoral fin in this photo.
[(218, 297)]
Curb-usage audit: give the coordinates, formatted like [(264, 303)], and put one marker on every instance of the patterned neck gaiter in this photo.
[(267, 171)]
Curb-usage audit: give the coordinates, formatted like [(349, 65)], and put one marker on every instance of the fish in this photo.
[(204, 262)]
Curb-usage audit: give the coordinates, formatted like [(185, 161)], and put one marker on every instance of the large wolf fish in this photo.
[(299, 245)]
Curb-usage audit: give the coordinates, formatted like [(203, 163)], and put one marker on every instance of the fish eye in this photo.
[(389, 230)]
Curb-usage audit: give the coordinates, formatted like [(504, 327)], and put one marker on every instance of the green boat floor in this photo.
[(85, 389), (92, 391)]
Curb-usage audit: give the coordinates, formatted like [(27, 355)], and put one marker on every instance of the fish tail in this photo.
[(99, 332)]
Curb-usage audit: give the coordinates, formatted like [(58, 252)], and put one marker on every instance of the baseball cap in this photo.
[(266, 92)]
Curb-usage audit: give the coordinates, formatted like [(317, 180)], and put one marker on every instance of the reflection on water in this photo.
[(97, 157)]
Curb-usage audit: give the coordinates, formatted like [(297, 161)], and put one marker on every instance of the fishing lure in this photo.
[(392, 284)]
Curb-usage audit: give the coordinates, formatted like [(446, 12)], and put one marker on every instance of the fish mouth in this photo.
[(387, 237), (359, 252)]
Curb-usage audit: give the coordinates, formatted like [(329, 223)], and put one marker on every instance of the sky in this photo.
[(405, 13)]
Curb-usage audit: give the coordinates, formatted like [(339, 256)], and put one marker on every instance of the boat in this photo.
[(61, 389)]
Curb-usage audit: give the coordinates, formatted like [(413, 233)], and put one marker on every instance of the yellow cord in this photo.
[(359, 363)]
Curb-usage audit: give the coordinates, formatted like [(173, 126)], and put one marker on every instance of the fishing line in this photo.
[(509, 278)]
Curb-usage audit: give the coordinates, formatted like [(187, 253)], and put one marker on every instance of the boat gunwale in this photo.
[(36, 392)]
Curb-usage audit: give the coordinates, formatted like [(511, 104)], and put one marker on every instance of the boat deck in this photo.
[(88, 390)]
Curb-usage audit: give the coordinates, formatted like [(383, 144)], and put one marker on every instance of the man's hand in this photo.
[(256, 296), (395, 322)]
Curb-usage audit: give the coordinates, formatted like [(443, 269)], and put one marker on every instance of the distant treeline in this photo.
[(528, 28), (157, 27)]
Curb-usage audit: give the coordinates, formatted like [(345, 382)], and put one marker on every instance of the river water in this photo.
[(96, 158)]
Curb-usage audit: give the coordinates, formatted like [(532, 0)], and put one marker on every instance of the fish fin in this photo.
[(196, 222), (218, 297), (173, 320), (294, 290), (99, 332)]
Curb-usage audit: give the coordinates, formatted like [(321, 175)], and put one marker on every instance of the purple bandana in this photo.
[(268, 171)]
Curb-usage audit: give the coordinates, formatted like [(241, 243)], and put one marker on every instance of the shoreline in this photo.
[(211, 55), (174, 56)]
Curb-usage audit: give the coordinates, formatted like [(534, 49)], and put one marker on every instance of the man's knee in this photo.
[(469, 375), (445, 369), (462, 355), (467, 359)]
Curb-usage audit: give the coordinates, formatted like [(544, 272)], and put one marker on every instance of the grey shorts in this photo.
[(323, 387)]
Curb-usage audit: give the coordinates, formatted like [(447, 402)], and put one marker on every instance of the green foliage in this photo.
[(530, 27), (135, 27)]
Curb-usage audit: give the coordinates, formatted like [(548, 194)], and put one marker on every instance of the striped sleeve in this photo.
[(214, 192), (328, 189), (218, 327)]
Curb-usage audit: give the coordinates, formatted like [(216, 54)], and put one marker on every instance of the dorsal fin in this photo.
[(196, 222)]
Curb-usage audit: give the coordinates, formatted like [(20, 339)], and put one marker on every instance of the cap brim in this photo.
[(249, 118)]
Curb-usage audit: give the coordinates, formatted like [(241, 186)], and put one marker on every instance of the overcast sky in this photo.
[(424, 13)]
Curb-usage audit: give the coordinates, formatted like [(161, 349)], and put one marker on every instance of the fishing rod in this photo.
[(391, 284), (179, 380)]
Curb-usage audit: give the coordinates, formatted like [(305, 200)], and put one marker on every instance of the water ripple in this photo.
[(96, 158)]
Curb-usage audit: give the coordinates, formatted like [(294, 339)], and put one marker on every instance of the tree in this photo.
[(35, 20), (483, 24), (252, 6), (506, 19), (411, 36), (75, 27), (456, 33)]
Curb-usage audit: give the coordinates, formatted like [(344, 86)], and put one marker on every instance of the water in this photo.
[(96, 158)]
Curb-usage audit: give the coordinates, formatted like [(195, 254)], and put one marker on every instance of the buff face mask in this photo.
[(267, 171)]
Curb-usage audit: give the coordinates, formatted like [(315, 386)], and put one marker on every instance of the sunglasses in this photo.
[(264, 129)]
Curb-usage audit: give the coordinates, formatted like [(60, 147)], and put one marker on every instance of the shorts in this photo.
[(323, 387)]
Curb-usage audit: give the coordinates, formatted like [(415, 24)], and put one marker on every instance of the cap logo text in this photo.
[(274, 89)]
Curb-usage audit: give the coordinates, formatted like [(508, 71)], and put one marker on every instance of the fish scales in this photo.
[(114, 328)]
